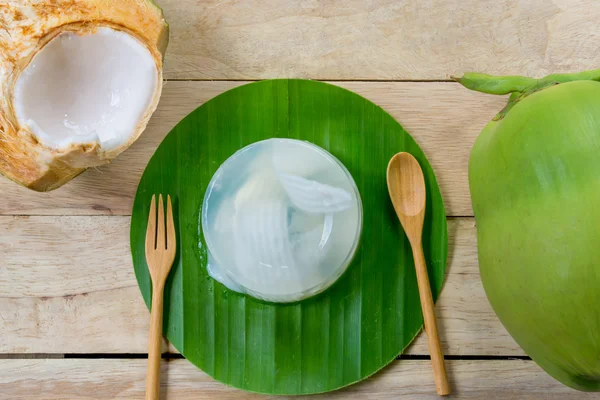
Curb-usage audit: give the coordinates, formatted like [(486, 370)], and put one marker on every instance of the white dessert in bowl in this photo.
[(282, 220)]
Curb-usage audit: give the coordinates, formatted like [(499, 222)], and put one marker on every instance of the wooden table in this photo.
[(72, 321)]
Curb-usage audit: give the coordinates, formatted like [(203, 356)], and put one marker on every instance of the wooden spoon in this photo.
[(407, 190)]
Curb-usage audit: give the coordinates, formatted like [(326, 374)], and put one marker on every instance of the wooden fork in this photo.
[(160, 254)]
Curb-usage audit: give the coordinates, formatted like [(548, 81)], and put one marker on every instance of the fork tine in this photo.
[(151, 230), (170, 225), (160, 230)]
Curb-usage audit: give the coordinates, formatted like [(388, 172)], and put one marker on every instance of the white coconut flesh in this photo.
[(82, 89)]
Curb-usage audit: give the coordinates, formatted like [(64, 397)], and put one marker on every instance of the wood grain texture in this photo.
[(64, 298), (67, 283), (379, 39), (443, 117), (97, 379)]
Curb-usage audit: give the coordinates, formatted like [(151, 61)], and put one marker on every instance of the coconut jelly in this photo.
[(282, 220)]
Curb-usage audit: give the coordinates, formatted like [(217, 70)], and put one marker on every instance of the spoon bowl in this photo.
[(406, 185)]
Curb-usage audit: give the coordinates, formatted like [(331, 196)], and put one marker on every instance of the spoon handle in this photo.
[(435, 349)]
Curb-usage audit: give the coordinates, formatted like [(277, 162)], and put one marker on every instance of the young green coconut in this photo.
[(533, 175), (79, 80)]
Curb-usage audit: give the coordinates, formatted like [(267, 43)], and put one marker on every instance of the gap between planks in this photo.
[(177, 356), (325, 80)]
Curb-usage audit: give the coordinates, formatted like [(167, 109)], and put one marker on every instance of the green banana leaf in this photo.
[(350, 331)]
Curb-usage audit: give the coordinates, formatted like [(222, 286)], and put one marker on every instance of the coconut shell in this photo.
[(27, 27)]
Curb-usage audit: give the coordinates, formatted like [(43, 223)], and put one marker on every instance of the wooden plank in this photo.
[(378, 40), (80, 379), (67, 286), (444, 118)]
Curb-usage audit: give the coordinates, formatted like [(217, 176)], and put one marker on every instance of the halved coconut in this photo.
[(79, 80)]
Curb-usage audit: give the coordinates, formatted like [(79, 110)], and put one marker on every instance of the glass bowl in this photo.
[(282, 220)]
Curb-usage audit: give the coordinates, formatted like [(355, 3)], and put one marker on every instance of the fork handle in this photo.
[(154, 347)]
